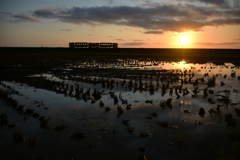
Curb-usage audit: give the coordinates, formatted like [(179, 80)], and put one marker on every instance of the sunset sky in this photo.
[(131, 23)]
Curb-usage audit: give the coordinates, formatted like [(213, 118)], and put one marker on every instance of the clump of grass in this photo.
[(211, 82), (233, 74)]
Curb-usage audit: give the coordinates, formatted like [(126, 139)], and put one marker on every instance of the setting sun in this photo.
[(184, 40)]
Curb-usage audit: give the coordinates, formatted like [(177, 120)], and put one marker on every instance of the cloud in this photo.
[(157, 19), (217, 2), (10, 17), (222, 3), (46, 13), (222, 44), (148, 18), (25, 18), (132, 44), (153, 32)]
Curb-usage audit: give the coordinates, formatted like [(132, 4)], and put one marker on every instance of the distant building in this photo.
[(92, 45)]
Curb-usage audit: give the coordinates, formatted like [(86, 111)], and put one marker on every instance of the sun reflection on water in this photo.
[(182, 65)]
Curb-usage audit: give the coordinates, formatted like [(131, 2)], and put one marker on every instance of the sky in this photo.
[(131, 23)]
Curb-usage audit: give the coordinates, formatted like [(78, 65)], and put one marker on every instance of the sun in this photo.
[(184, 40)]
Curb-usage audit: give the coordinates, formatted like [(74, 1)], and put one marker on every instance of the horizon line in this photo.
[(109, 48)]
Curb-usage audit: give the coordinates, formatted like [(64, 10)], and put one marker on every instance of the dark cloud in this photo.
[(153, 32), (25, 18), (217, 2), (149, 18), (132, 44), (222, 3), (223, 44), (9, 17), (46, 13), (163, 17)]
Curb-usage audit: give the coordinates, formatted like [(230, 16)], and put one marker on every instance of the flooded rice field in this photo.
[(130, 108)]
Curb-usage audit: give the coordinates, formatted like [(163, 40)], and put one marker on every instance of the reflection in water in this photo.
[(130, 99), (209, 68), (182, 65), (161, 84)]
